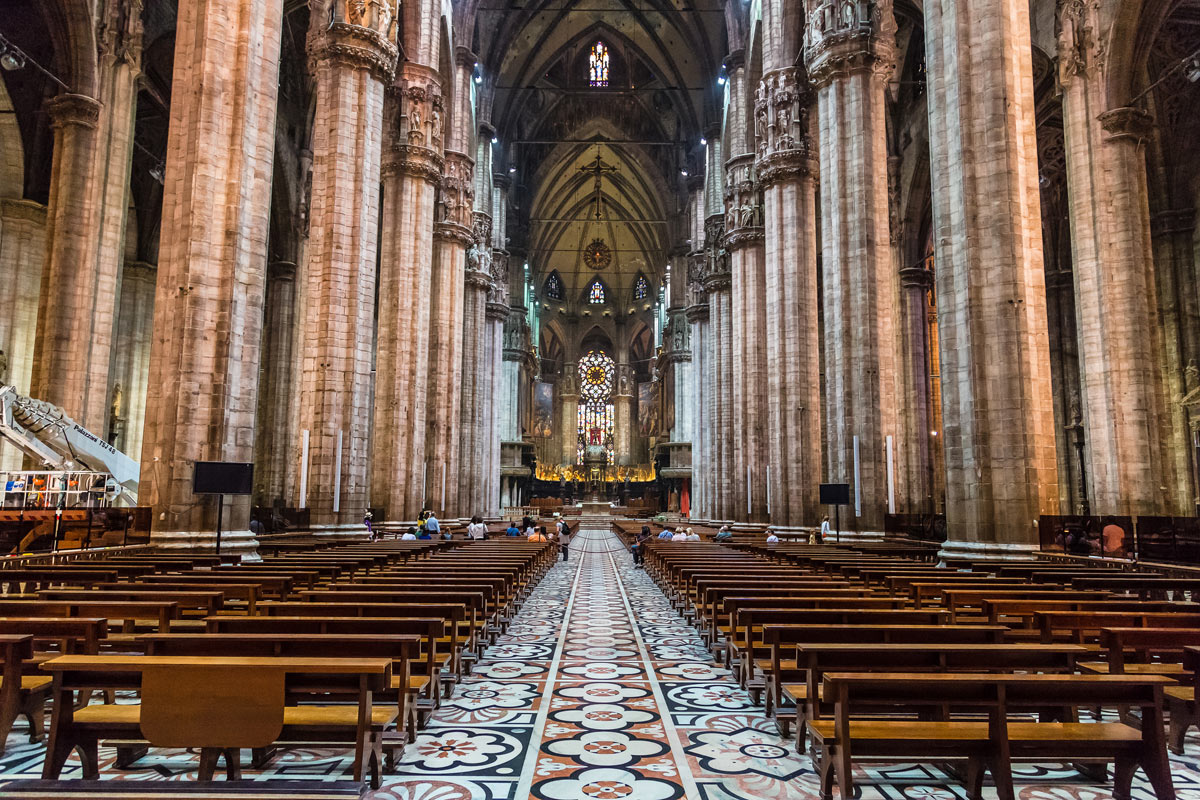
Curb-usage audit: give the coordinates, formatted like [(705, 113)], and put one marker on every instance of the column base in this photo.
[(351, 532), (993, 550), (233, 543)]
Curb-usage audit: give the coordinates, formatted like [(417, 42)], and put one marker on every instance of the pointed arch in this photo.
[(597, 293), (641, 287), (554, 289)]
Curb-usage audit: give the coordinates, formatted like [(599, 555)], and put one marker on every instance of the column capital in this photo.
[(496, 312), (476, 279), (357, 46), (501, 180), (916, 278), (1127, 122), (281, 271), (735, 60), (417, 162), (73, 109), (695, 182), (464, 57), (781, 107), (1179, 220), (454, 232), (697, 313), (786, 166), (842, 39), (743, 203), (456, 191), (415, 111)]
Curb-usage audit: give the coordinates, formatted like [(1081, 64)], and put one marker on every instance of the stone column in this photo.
[(412, 170), (717, 284), (570, 413), (515, 351), (623, 419), (996, 396), (476, 389), (1120, 335), (452, 235), (700, 387), (850, 61), (131, 358), (495, 316), (915, 283), (786, 167), (277, 394), (1064, 357), (352, 59), (203, 378), (22, 255)]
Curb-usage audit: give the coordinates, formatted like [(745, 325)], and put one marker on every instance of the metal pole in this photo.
[(220, 508)]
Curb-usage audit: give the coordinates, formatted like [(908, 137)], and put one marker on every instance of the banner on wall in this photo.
[(647, 409), (543, 409)]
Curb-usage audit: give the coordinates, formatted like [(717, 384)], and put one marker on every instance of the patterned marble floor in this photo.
[(600, 690)]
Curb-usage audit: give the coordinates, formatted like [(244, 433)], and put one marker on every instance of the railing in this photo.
[(68, 556)]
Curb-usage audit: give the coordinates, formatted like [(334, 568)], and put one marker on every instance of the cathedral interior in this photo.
[(422, 256)]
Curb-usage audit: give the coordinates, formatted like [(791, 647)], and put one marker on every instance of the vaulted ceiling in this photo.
[(646, 125)]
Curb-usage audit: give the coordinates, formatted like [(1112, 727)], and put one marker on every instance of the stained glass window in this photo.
[(641, 288), (598, 65), (596, 382), (596, 293), (554, 287)]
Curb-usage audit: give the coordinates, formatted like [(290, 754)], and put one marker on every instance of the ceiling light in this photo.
[(495, 140), (703, 142), (479, 79), (1193, 70), (720, 80), (511, 170), (12, 60), (683, 172)]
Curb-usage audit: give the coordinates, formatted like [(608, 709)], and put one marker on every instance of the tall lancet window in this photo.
[(596, 293), (596, 374), (598, 65), (641, 288)]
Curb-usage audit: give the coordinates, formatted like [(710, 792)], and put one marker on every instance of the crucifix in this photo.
[(598, 169)]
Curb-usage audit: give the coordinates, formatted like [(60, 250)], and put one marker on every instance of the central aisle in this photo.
[(621, 701)]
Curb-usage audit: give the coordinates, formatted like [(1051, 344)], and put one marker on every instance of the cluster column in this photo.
[(1120, 334), (352, 59), (987, 229), (850, 61), (717, 284), (786, 167), (412, 170), (203, 379), (274, 443)]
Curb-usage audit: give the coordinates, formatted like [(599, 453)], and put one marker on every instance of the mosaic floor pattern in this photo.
[(599, 690)]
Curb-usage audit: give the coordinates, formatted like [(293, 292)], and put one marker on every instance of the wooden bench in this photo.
[(220, 705), (1181, 701), (175, 790), (993, 744), (22, 691), (1083, 626)]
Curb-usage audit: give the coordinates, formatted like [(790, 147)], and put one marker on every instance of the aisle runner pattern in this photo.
[(600, 691)]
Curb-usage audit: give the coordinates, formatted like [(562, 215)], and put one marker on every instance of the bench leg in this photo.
[(825, 772), (261, 756), (129, 754), (89, 757), (34, 710), (1158, 770), (1183, 716), (57, 753), (845, 776), (1123, 770)]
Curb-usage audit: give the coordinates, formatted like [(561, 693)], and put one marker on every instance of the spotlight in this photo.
[(158, 172), (12, 60), (703, 142), (721, 80), (512, 170), (683, 172), (495, 140), (1192, 72), (479, 79)]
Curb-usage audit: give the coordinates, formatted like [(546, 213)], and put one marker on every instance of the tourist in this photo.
[(1113, 538), (409, 535), (448, 536), (724, 535), (824, 528), (638, 548), (679, 536), (367, 521), (432, 525), (424, 533), (538, 535), (513, 530), (665, 534), (564, 540), (692, 536), (771, 537), (477, 531)]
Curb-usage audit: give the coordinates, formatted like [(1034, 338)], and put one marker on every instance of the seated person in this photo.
[(723, 535), (771, 537), (424, 534), (513, 530), (409, 535), (679, 536), (664, 534), (692, 536)]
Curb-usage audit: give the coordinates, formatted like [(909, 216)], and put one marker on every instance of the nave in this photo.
[(599, 689)]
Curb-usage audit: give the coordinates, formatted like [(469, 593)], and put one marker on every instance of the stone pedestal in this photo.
[(203, 377)]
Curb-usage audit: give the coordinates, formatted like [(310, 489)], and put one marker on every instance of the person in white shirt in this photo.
[(409, 535), (477, 530), (679, 536), (692, 536), (771, 537), (825, 528)]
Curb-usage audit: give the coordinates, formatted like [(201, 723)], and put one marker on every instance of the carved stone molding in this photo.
[(1181, 220), (496, 312), (1078, 47), (453, 232), (781, 107), (417, 109), (475, 279), (785, 166), (418, 162), (848, 36), (281, 271), (119, 33), (697, 314), (73, 109), (743, 203), (463, 57), (456, 191), (354, 46), (916, 278), (1127, 123)]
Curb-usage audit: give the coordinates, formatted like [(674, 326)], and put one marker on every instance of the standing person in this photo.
[(560, 527), (367, 522), (825, 528), (477, 531), (638, 549), (432, 525), (564, 539)]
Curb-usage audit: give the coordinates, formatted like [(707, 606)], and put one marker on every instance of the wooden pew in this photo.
[(178, 696), (1181, 701), (22, 691), (961, 602), (1084, 626), (161, 612), (993, 744), (175, 790)]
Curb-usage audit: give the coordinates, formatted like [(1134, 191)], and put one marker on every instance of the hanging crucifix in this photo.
[(598, 169)]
